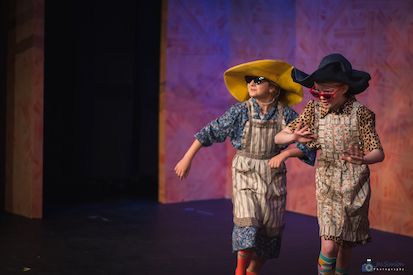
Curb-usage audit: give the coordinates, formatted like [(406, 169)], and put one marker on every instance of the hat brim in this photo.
[(274, 70), (358, 81)]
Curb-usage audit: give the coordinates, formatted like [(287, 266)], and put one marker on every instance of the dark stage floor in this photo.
[(125, 236)]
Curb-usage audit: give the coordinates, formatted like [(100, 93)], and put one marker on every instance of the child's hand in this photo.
[(182, 168), (354, 155), (276, 161), (302, 135)]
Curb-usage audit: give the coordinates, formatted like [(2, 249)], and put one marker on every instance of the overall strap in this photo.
[(355, 124), (317, 116), (246, 140), (281, 119)]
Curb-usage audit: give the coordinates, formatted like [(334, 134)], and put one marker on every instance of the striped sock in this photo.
[(326, 265), (342, 271), (243, 259)]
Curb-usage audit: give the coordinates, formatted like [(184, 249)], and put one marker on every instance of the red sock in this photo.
[(251, 273), (243, 259)]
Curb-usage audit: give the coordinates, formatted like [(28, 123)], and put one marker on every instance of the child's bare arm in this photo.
[(377, 155), (286, 136), (354, 155), (184, 165), (284, 155)]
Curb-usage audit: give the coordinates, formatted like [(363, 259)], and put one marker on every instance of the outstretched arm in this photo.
[(284, 155), (286, 136), (184, 165), (355, 156)]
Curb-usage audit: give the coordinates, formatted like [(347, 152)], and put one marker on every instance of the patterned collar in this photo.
[(258, 110), (344, 109)]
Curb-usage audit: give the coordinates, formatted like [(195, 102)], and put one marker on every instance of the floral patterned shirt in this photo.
[(231, 124)]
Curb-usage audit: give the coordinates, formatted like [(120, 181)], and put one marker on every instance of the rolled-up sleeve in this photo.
[(310, 155), (306, 118), (368, 136), (219, 129)]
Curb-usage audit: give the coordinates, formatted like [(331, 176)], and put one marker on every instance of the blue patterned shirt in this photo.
[(231, 124)]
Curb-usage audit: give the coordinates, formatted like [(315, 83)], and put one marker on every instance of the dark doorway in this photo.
[(101, 99)]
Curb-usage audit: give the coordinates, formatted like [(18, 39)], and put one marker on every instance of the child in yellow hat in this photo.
[(266, 91)]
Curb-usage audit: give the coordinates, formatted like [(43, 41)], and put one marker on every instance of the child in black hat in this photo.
[(345, 132), (265, 90)]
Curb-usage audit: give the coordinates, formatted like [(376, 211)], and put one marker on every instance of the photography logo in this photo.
[(367, 267), (382, 266)]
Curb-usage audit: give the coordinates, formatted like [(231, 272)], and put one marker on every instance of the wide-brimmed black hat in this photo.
[(334, 67)]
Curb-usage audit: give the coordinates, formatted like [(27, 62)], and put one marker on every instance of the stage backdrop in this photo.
[(201, 39)]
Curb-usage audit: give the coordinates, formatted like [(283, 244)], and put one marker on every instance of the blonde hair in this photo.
[(278, 89)]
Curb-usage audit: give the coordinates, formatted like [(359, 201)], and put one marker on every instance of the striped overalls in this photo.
[(259, 192)]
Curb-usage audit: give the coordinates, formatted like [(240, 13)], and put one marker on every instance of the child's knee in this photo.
[(329, 247)]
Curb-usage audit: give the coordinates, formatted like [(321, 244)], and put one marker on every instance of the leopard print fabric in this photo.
[(346, 244)]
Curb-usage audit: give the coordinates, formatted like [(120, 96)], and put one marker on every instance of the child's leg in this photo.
[(343, 261), (329, 248), (256, 264), (327, 258), (243, 259)]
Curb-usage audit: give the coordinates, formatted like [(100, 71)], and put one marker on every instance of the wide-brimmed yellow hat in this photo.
[(274, 70)]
